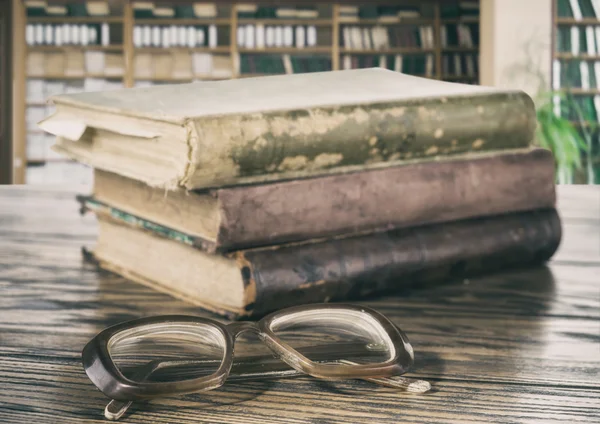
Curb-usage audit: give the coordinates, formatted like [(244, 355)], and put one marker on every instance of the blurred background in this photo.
[(549, 48)]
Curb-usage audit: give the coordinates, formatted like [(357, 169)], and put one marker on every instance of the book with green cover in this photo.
[(254, 130), (35, 8)]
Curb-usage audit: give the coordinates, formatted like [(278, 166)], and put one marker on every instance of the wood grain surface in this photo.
[(516, 347)]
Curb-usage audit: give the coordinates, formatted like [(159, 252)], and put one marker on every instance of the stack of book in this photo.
[(249, 195)]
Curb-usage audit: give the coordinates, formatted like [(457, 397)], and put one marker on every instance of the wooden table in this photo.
[(518, 347)]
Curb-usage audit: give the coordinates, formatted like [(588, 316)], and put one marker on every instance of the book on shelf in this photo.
[(56, 10), (114, 65), (246, 10), (97, 8), (204, 10), (214, 65), (375, 200), (74, 64), (459, 9), (181, 65), (412, 64), (36, 64), (281, 63), (254, 11), (259, 36), (257, 281), (163, 12), (460, 65), (142, 9), (348, 13), (55, 63), (168, 36), (162, 66), (36, 8), (459, 35), (384, 37), (297, 12), (246, 141), (70, 34)]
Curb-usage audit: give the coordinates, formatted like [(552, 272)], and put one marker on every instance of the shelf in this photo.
[(288, 50), (581, 91), (462, 20), (569, 56), (395, 50), (182, 21), (256, 75), (459, 77), (114, 47), (37, 104), (74, 77), (74, 19), (301, 21), (218, 49), (573, 21), (408, 21), (460, 49), (586, 124), (38, 162), (181, 79)]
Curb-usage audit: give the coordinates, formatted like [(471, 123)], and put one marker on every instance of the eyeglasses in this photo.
[(169, 355)]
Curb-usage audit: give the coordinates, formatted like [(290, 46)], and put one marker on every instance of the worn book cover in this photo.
[(224, 133), (241, 217), (256, 281)]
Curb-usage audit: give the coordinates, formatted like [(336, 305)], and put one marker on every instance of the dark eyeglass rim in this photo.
[(105, 375)]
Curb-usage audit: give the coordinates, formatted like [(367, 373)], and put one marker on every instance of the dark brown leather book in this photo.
[(377, 200), (254, 282)]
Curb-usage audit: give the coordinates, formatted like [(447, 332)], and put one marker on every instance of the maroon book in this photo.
[(378, 200)]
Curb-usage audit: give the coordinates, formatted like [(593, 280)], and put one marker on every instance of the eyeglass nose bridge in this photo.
[(238, 328)]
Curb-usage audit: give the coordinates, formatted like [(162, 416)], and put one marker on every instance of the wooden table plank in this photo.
[(520, 346)]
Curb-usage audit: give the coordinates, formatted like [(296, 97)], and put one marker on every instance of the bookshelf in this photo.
[(136, 44), (576, 71)]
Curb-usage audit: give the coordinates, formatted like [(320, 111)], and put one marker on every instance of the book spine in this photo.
[(267, 146), (352, 268), (402, 196)]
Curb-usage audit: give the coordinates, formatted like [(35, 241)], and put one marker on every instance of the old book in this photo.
[(247, 130), (377, 200), (254, 282)]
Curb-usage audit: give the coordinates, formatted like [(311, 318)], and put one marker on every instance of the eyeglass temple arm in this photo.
[(251, 368)]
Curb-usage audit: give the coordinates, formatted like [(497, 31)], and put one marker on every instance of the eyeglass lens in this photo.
[(168, 352), (344, 335)]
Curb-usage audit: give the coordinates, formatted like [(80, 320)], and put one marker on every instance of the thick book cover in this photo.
[(256, 281), (248, 130), (377, 200)]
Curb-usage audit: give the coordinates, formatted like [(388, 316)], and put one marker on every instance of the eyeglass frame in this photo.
[(106, 376)]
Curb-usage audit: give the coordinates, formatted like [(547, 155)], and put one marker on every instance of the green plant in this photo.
[(561, 136), (568, 142)]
